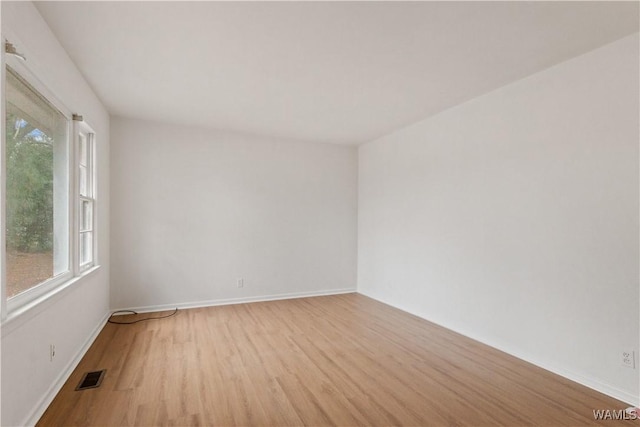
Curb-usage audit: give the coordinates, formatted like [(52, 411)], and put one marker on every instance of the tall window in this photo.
[(86, 196), (49, 192), (37, 188)]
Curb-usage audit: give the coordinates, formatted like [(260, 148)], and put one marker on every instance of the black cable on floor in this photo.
[(139, 320)]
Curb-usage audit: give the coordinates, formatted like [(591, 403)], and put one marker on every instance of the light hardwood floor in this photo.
[(335, 360)]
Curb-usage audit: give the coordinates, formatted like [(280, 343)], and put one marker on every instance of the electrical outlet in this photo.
[(241, 283), (52, 352), (629, 359)]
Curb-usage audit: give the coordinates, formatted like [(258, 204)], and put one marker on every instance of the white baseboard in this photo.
[(55, 387), (229, 301), (592, 383)]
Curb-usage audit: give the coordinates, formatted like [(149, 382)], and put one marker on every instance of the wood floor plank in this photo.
[(336, 360)]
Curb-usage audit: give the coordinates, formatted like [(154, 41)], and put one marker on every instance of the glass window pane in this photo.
[(83, 176), (85, 215), (37, 218), (86, 247), (82, 150)]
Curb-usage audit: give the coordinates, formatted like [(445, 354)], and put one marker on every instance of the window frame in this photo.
[(11, 307), (82, 128)]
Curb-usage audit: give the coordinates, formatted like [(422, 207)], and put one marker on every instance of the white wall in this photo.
[(513, 218), (193, 210), (69, 319)]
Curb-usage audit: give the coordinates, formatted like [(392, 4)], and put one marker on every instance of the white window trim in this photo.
[(26, 301), (82, 127)]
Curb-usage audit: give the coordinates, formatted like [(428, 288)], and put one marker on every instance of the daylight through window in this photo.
[(86, 193), (37, 188)]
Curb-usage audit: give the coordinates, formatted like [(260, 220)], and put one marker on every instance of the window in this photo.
[(86, 196), (49, 192), (37, 188)]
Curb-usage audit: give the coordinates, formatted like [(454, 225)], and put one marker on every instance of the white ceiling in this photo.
[(340, 72)]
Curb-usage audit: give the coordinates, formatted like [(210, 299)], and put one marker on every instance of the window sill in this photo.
[(24, 313)]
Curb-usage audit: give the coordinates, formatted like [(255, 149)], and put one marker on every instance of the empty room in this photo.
[(320, 213)]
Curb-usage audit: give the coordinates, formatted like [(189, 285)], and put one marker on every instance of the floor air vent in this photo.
[(91, 380)]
